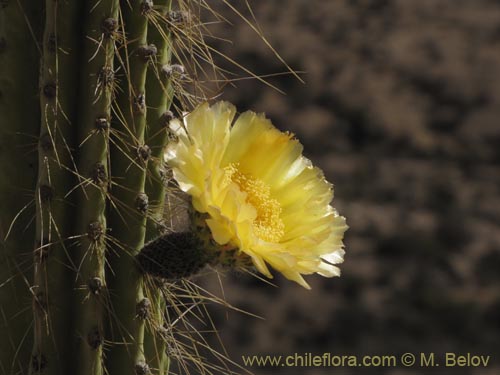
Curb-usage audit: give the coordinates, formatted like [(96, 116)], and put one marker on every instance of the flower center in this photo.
[(268, 225)]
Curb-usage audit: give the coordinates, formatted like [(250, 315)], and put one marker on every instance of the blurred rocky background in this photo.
[(401, 109)]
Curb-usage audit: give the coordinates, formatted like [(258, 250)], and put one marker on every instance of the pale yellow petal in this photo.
[(262, 150), (259, 263), (335, 257), (328, 270)]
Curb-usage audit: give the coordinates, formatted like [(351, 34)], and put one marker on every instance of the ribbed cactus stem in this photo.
[(19, 125), (128, 220), (160, 96), (51, 288), (96, 97)]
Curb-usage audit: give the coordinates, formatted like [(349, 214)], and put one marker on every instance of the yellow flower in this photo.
[(258, 192)]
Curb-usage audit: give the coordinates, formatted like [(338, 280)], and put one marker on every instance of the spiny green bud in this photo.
[(173, 256), (182, 254)]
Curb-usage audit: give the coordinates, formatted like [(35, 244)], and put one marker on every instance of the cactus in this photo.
[(85, 93)]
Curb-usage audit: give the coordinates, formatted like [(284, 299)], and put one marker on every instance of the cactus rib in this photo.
[(96, 96), (160, 94), (128, 219), (51, 288)]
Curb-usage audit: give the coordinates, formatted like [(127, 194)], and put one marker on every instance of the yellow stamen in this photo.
[(268, 225)]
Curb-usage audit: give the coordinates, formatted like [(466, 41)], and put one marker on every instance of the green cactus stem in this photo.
[(129, 160), (97, 84), (19, 127), (52, 289), (160, 96)]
